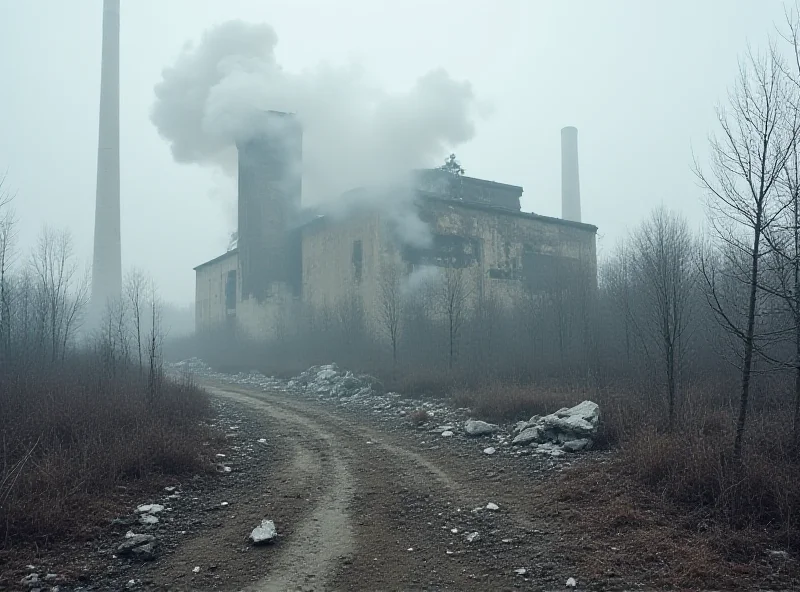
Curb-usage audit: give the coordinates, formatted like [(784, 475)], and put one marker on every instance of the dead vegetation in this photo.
[(82, 413), (72, 435)]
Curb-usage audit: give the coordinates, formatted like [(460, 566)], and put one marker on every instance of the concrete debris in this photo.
[(571, 583), (492, 506), (528, 435), (139, 546), (479, 428), (577, 445), (150, 508), (572, 429), (264, 533)]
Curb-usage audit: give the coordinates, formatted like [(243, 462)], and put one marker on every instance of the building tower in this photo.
[(107, 259), (270, 180), (570, 178)]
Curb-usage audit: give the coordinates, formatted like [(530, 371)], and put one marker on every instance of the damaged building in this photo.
[(289, 261)]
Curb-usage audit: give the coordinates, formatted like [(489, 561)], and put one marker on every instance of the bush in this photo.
[(73, 433)]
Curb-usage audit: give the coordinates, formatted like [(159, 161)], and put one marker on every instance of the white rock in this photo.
[(169, 489), (196, 569), (472, 537), (571, 583), (447, 434), (492, 506), (262, 440), (264, 533), (220, 455), (150, 508), (489, 450), (474, 427), (520, 571), (527, 436), (148, 519)]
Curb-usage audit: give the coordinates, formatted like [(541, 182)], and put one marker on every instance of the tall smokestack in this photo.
[(570, 179), (107, 263), (270, 177)]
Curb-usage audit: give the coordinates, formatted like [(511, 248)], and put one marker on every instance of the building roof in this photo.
[(471, 205), (217, 259)]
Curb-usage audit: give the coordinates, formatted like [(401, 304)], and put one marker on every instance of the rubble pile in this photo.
[(568, 430), (329, 381)]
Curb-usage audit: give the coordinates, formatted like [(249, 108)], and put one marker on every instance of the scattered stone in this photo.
[(150, 508), (223, 504), (776, 553), (472, 537), (169, 489), (50, 577), (148, 519), (262, 440), (196, 569), (447, 434), (454, 530), (520, 571), (131, 584), (479, 428), (31, 580), (264, 533), (492, 506), (410, 549), (218, 455), (140, 546), (571, 583), (489, 450)]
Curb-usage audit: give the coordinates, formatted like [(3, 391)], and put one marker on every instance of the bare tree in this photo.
[(758, 132), (61, 292), (662, 257), (454, 291), (7, 236), (390, 303), (134, 293), (154, 345)]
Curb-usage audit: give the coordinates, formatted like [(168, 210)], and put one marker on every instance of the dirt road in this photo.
[(359, 507)]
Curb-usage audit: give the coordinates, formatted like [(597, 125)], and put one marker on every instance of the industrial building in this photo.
[(289, 261)]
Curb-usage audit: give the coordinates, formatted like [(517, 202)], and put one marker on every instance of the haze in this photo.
[(639, 80)]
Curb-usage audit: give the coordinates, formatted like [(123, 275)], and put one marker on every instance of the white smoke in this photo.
[(354, 133)]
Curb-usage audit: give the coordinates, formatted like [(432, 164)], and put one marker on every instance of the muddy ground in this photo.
[(366, 502)]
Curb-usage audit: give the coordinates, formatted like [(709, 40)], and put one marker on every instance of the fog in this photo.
[(380, 88)]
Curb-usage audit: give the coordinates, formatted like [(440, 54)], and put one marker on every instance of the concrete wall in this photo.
[(210, 279), (509, 254), (501, 254), (341, 263)]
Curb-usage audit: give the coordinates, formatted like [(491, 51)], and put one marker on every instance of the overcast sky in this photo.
[(638, 78)]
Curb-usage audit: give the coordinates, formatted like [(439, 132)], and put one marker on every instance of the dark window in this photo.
[(230, 292), (358, 259)]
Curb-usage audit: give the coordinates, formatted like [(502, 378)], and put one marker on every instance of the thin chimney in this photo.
[(570, 178), (107, 261)]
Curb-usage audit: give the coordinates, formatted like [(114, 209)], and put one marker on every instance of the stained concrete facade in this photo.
[(502, 253)]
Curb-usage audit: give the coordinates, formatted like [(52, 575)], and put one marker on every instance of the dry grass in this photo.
[(72, 435), (509, 402), (418, 416)]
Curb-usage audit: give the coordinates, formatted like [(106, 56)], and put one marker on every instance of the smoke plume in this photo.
[(355, 133)]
